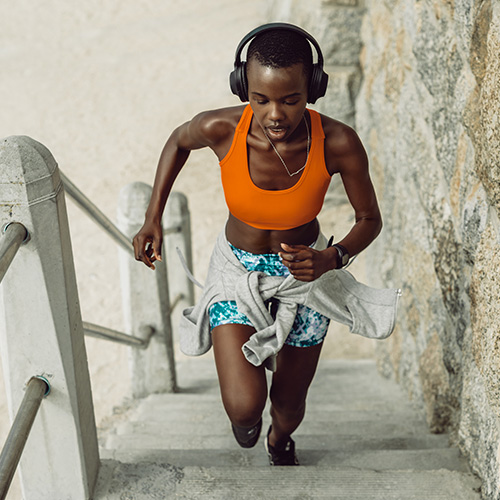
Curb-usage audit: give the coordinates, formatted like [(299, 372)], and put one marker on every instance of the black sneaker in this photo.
[(247, 437), (278, 456)]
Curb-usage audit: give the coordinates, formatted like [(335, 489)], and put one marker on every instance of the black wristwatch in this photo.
[(342, 256)]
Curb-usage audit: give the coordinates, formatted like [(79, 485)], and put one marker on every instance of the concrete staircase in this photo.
[(361, 439)]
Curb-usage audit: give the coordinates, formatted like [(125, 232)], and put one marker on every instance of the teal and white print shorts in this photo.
[(309, 327)]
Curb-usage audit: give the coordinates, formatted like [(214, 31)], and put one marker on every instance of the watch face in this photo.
[(345, 259)]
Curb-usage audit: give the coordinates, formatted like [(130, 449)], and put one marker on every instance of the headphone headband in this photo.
[(238, 79), (273, 26)]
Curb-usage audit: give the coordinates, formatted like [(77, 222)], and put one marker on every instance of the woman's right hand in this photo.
[(148, 242)]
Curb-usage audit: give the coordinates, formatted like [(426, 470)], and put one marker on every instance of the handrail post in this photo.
[(178, 235), (41, 328), (145, 302)]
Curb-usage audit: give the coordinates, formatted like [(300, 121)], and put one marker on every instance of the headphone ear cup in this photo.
[(318, 84), (233, 81), (244, 82), (238, 82)]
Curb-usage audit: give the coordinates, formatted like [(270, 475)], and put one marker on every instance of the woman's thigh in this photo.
[(243, 385), (295, 371)]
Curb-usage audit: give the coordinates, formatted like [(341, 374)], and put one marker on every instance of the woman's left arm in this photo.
[(346, 155)]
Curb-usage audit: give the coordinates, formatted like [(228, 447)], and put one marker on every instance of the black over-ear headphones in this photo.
[(238, 77)]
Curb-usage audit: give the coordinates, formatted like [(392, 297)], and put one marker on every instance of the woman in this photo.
[(277, 158)]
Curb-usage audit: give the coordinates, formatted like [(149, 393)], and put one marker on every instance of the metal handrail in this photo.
[(101, 332), (95, 214), (14, 236), (99, 218), (36, 389)]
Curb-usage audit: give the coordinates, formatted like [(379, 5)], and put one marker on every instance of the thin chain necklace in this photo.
[(279, 156)]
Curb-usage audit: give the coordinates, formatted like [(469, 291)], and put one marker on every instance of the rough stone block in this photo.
[(338, 32), (334, 25), (485, 315), (478, 434), (487, 136), (440, 404), (343, 85)]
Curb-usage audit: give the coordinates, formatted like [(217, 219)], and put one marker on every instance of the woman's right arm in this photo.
[(195, 134)]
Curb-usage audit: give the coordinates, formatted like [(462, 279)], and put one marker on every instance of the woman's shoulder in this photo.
[(340, 138), (222, 117), (215, 128)]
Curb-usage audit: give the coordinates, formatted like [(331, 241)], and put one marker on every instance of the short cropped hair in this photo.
[(281, 48)]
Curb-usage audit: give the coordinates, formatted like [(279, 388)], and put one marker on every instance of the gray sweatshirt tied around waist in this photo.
[(370, 312)]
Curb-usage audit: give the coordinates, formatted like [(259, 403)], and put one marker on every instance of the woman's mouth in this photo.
[(276, 133)]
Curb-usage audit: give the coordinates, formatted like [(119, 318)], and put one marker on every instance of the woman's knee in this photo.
[(244, 411)]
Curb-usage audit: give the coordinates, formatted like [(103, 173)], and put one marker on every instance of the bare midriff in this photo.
[(259, 241)]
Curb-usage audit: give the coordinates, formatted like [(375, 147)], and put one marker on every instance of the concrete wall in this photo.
[(428, 111)]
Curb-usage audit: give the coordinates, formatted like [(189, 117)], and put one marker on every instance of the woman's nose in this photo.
[(276, 113)]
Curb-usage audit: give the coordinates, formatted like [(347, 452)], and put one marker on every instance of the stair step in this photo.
[(215, 416), (338, 378), (323, 444), (147, 480), (167, 403), (230, 457), (366, 428)]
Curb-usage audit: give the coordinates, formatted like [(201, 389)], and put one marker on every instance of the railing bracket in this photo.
[(26, 238), (44, 379)]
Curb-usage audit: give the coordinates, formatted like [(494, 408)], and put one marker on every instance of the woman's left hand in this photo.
[(306, 263)]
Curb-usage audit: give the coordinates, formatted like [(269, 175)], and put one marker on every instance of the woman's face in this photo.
[(278, 97)]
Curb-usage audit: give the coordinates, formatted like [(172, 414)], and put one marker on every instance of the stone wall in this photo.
[(428, 112)]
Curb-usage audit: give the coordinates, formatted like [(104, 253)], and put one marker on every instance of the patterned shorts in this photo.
[(309, 327)]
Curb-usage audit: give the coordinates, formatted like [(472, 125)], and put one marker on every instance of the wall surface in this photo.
[(427, 110)]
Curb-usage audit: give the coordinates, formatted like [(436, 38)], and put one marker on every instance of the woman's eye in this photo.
[(291, 103)]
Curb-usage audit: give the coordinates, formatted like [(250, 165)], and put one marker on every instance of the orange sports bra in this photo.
[(274, 210)]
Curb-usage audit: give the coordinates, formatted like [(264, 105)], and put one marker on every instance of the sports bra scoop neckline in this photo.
[(279, 209)]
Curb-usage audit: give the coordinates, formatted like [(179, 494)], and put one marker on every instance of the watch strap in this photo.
[(342, 256)]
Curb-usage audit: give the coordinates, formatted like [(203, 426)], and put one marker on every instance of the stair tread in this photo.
[(148, 480), (370, 459), (371, 428), (322, 444), (378, 405)]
